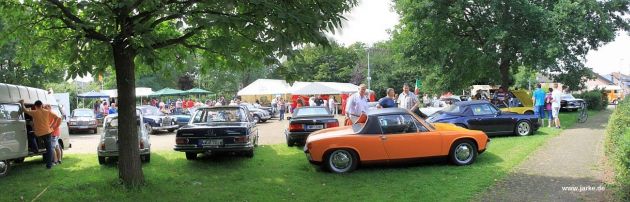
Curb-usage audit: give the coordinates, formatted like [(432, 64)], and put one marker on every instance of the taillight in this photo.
[(332, 124), (141, 144), (243, 139), (296, 127), (181, 140), (102, 146)]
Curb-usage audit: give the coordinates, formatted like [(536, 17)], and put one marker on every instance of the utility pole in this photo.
[(368, 66)]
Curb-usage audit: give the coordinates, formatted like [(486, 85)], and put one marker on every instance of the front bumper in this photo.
[(210, 148), (82, 127), (114, 153), (176, 126)]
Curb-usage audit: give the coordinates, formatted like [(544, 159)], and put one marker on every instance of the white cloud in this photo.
[(612, 57)]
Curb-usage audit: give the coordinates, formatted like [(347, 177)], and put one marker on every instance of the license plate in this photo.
[(314, 127), (213, 142)]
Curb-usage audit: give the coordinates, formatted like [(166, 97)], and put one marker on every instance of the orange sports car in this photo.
[(388, 135)]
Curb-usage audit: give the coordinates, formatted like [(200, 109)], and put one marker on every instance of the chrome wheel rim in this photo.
[(4, 167), (463, 153), (340, 161), (523, 128)]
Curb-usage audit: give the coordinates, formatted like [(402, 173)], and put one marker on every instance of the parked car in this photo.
[(306, 120), (182, 116), (482, 115), (216, 130), (570, 103), (439, 104), (13, 125), (260, 115), (82, 119), (156, 120), (521, 103), (270, 110), (108, 145), (390, 135)]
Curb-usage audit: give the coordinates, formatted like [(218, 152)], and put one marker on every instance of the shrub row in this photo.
[(618, 146), (595, 99)]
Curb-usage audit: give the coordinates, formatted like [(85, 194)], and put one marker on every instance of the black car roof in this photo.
[(386, 111), (218, 107), (466, 103)]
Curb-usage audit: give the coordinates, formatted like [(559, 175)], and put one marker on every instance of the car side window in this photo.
[(10, 112), (483, 109), (421, 128), (397, 124)]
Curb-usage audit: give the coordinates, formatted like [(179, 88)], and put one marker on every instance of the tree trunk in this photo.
[(504, 69), (129, 165)]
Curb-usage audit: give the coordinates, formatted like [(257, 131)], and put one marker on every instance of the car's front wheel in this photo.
[(171, 130), (191, 155), (523, 128), (249, 153), (5, 167), (341, 161), (146, 158), (463, 152), (257, 119)]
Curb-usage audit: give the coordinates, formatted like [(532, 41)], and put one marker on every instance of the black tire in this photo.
[(146, 158), (5, 167), (290, 142), (95, 131), (101, 160), (257, 119), (18, 160), (264, 120), (523, 128), (249, 154), (191, 155), (341, 155), (171, 130), (463, 152), (70, 131)]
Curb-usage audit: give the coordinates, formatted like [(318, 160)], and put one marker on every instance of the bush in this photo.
[(618, 146), (595, 99)]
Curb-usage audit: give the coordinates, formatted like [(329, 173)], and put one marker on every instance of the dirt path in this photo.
[(567, 168)]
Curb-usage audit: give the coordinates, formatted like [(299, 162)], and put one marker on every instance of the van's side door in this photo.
[(13, 136)]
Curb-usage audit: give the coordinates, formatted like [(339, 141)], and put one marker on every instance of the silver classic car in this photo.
[(108, 146), (82, 119)]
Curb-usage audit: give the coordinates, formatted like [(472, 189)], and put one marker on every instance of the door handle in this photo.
[(383, 137)]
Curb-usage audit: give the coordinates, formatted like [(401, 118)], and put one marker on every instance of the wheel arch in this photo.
[(463, 139), (331, 149)]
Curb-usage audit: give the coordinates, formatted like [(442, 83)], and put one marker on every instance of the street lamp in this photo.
[(369, 78)]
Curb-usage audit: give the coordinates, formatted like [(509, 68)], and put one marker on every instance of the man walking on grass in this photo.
[(43, 128), (555, 104), (539, 104)]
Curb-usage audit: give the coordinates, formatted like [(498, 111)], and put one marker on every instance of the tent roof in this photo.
[(168, 92), (324, 88), (140, 92), (93, 94), (197, 91), (265, 87), (314, 88)]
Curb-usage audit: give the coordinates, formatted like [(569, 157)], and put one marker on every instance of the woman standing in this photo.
[(281, 108), (548, 99)]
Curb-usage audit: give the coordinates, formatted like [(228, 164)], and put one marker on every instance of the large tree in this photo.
[(89, 36), (461, 42)]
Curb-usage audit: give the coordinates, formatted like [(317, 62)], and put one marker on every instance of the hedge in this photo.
[(595, 99), (618, 147)]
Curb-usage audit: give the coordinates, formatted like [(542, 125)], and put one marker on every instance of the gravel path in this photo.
[(570, 167)]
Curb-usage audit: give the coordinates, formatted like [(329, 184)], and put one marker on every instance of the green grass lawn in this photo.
[(276, 173)]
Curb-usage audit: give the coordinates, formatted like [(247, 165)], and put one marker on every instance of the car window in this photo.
[(220, 115), (419, 126), (10, 112), (483, 109), (397, 124), (311, 112), (151, 111), (82, 113), (452, 109)]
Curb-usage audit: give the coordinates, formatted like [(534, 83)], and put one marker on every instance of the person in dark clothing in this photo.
[(388, 101)]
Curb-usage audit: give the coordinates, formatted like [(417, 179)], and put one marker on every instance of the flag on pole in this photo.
[(418, 85)]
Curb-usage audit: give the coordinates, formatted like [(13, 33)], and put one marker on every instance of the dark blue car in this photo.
[(482, 115)]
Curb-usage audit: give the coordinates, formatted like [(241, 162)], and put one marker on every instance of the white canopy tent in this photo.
[(314, 88), (266, 87), (140, 92)]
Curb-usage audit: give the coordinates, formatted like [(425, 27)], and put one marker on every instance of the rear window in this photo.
[(82, 113), (219, 115), (311, 112), (452, 109)]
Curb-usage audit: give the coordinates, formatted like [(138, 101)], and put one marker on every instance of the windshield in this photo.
[(219, 115), (567, 97), (311, 112), (151, 111), (82, 113)]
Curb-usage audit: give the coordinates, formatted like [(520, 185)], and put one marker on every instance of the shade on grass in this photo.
[(276, 173)]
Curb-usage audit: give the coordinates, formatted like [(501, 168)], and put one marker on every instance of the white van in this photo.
[(13, 130)]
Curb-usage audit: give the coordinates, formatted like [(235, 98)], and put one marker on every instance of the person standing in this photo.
[(389, 100), (356, 105), (42, 127), (426, 101), (555, 104), (55, 139), (548, 99), (407, 100), (539, 103), (281, 107), (332, 104)]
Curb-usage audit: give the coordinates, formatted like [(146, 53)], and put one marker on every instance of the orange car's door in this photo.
[(405, 138)]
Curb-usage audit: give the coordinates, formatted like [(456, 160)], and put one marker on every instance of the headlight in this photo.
[(92, 122), (72, 123)]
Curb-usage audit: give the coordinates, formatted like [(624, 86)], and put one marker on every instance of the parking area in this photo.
[(270, 132)]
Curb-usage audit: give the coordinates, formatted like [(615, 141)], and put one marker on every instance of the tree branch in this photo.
[(72, 21), (179, 40)]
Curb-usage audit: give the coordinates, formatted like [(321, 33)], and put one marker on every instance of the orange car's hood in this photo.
[(330, 132), (448, 127)]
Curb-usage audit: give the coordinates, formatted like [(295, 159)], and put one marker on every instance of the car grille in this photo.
[(166, 121), (84, 123)]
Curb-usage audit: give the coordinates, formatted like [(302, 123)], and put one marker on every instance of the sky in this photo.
[(369, 22)]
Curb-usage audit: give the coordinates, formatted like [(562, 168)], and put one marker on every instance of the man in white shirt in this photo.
[(407, 99), (357, 104), (556, 96), (332, 105)]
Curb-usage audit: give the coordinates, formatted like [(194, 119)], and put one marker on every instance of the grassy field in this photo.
[(276, 173)]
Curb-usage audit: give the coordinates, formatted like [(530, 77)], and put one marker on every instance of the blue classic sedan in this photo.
[(482, 115)]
